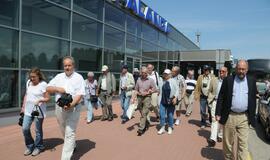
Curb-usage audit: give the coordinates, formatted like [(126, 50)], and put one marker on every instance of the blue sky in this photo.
[(240, 25)]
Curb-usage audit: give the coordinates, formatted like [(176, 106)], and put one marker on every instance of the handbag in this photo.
[(93, 99)]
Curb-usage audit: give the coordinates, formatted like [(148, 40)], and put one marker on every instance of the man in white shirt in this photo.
[(154, 97), (68, 116)]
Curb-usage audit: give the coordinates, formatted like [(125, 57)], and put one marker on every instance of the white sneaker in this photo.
[(177, 122), (170, 130), (162, 130)]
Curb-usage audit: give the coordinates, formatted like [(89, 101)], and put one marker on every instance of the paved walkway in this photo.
[(116, 141)]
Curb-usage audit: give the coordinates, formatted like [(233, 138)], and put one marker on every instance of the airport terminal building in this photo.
[(95, 32)]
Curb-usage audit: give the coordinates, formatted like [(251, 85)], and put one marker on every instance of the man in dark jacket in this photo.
[(235, 109)]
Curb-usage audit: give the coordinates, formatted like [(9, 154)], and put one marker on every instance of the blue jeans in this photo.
[(124, 104), (28, 139), (203, 106), (169, 110), (89, 106)]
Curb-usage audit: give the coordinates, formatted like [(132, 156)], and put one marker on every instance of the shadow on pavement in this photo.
[(83, 146), (261, 133), (204, 133), (195, 122), (131, 128), (51, 143), (212, 153)]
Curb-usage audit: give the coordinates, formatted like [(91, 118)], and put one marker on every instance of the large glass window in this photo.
[(93, 8), (9, 12), (133, 26), (86, 30), (150, 33), (9, 89), (150, 50), (87, 58), (65, 3), (162, 40), (8, 48), (114, 60), (114, 16), (44, 17), (114, 39), (133, 45), (43, 52)]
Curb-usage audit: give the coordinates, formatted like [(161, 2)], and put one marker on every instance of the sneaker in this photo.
[(177, 122), (36, 152), (170, 130), (162, 130), (27, 152)]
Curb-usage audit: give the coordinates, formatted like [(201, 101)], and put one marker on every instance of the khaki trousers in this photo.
[(106, 105), (144, 104), (236, 125), (216, 128), (68, 121), (188, 102)]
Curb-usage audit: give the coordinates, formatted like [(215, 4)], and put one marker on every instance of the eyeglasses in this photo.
[(222, 71)]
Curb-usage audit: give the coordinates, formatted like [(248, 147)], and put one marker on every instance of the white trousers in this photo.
[(216, 128), (68, 121)]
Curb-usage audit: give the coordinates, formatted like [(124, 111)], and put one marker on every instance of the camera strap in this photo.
[(40, 111)]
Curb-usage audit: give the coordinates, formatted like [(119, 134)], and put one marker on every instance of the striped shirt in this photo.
[(191, 84)]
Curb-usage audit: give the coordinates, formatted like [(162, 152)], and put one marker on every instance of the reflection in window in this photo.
[(87, 58), (9, 12), (86, 30), (65, 3), (134, 26), (149, 50), (9, 93), (8, 48), (149, 33), (92, 8), (114, 60), (133, 45), (37, 15), (114, 39), (42, 52), (114, 16)]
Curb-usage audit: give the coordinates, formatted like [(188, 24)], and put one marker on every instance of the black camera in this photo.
[(64, 100), (35, 114), (20, 123), (204, 85)]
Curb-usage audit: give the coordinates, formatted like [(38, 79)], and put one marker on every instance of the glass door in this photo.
[(132, 63)]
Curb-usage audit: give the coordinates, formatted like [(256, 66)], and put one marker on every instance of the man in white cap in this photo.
[(105, 90)]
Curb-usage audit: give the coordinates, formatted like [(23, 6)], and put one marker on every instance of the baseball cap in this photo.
[(167, 71), (136, 70), (124, 66), (104, 68)]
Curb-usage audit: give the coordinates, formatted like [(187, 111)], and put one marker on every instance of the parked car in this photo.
[(264, 114)]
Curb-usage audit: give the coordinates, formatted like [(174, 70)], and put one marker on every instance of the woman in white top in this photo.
[(90, 98), (34, 109)]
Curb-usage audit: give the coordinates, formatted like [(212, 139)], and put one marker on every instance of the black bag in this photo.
[(64, 100), (93, 99)]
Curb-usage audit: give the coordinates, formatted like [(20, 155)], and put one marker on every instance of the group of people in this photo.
[(229, 101)]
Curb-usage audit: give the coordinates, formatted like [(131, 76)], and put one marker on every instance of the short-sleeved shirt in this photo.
[(90, 88), (33, 94), (143, 86), (73, 84)]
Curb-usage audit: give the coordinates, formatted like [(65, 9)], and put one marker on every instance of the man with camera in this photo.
[(69, 88), (202, 91)]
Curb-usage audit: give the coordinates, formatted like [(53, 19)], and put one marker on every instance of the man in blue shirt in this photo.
[(235, 109)]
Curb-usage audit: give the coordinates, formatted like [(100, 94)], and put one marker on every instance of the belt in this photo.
[(144, 96), (103, 90), (238, 112)]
